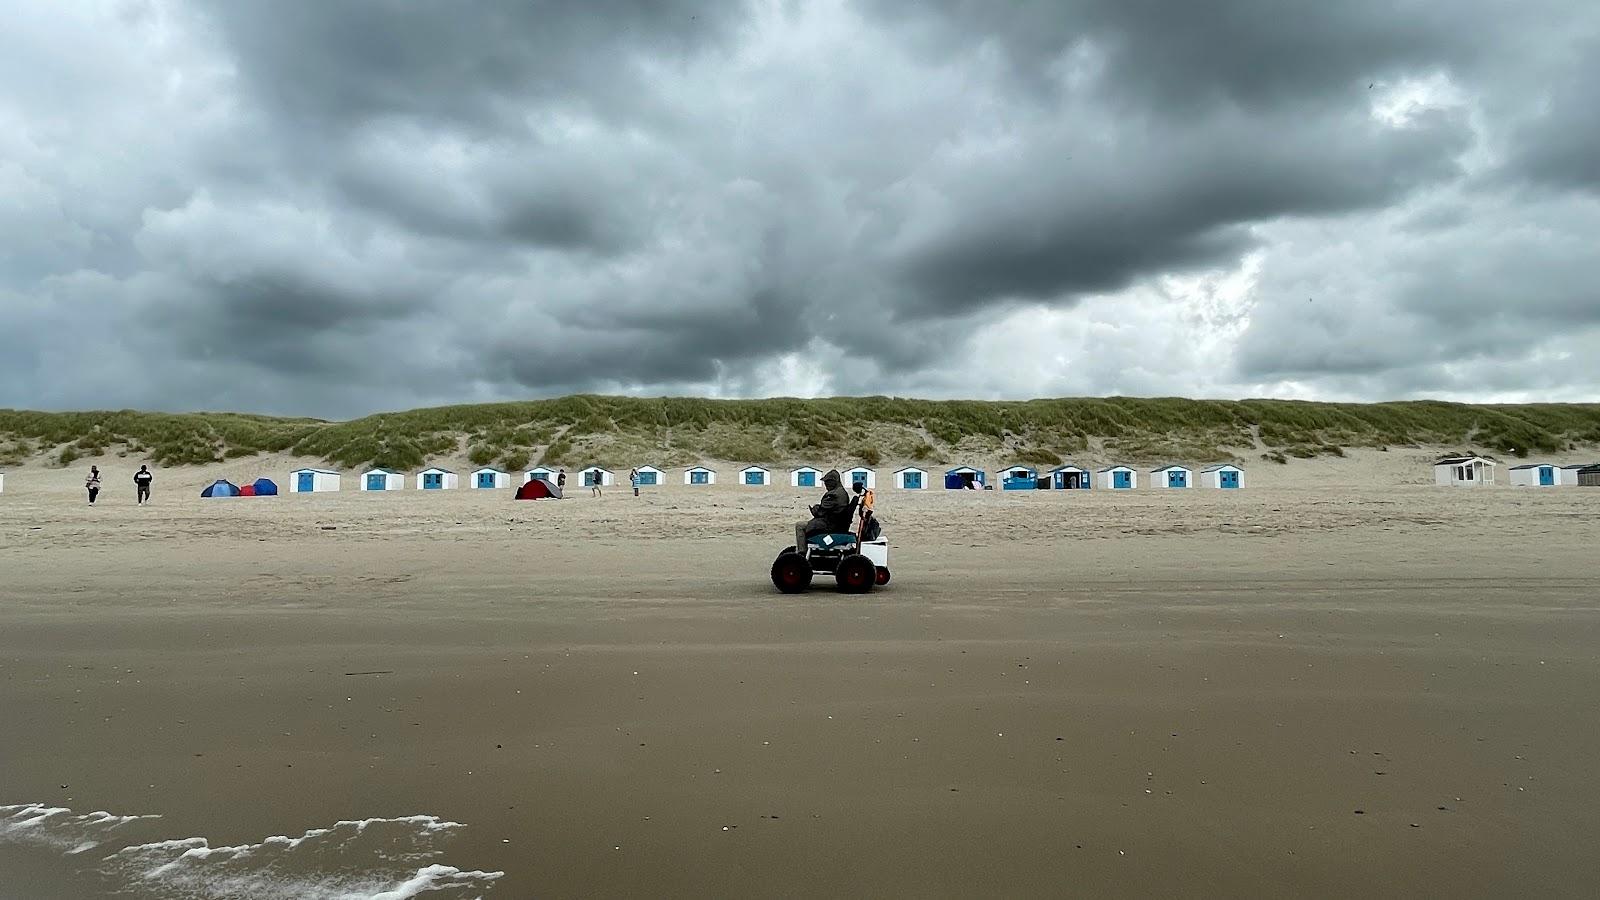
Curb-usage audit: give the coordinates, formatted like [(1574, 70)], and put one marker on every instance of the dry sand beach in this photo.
[(1340, 680)]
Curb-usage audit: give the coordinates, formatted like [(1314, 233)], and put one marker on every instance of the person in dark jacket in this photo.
[(141, 483), (833, 514)]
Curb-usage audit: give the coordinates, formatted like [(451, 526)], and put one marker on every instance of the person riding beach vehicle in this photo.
[(835, 513), (866, 523)]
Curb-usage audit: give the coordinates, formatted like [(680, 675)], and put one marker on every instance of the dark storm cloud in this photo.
[(407, 203)]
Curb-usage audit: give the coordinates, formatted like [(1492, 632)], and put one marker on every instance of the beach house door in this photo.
[(806, 479), (698, 477), (375, 481), (432, 481), (485, 479), (1547, 476), (1122, 479), (858, 478), (1175, 479), (755, 477), (307, 482), (647, 478), (913, 481), (1229, 479)]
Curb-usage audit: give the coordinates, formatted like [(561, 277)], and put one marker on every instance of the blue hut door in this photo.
[(432, 481), (1229, 479), (755, 478), (485, 479), (647, 478), (375, 481), (806, 479), (306, 482), (1547, 475), (698, 477), (858, 478), (1122, 480), (914, 481), (1175, 479)]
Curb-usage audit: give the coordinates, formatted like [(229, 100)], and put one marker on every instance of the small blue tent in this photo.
[(221, 488), (265, 487)]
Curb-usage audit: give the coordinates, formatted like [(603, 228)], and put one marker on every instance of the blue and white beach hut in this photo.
[(861, 475), (307, 481), (1225, 476), (382, 480), (1119, 478), (545, 472), (699, 476), (1071, 478), (1019, 478), (755, 476), (964, 478), (805, 477), (436, 479), (1171, 477), (911, 478), (490, 479), (649, 476)]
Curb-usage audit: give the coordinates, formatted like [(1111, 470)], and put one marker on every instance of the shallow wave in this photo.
[(359, 859)]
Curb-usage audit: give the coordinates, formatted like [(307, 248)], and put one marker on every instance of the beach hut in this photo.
[(1466, 471), (382, 480), (650, 476), (1171, 477), (594, 476), (1225, 476), (861, 475), (436, 479), (754, 476), (1119, 478), (1587, 476), (539, 472), (308, 481), (699, 476), (911, 478), (221, 488), (2, 482), (805, 477), (1019, 478), (1071, 478), (1535, 475), (964, 478), (490, 479)]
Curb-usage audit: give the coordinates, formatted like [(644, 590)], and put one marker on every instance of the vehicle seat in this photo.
[(837, 539)]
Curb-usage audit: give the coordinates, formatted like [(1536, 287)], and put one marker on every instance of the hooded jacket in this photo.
[(835, 506)]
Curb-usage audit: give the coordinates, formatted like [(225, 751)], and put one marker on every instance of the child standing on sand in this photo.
[(92, 483), (633, 479)]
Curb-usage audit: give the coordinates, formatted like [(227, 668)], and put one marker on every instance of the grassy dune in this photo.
[(668, 431)]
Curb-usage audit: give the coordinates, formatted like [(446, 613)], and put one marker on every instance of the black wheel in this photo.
[(856, 574), (791, 573), (883, 576)]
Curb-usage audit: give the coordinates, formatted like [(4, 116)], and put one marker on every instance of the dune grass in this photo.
[(620, 431)]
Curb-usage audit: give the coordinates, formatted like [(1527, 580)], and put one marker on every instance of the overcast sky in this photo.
[(332, 208)]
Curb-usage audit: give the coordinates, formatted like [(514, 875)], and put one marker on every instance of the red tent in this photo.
[(538, 489), (248, 490)]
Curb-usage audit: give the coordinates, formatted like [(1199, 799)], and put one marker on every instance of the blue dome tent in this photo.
[(221, 488), (265, 487)]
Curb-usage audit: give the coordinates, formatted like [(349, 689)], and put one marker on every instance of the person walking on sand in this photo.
[(561, 481), (92, 483), (596, 479), (633, 479), (141, 483)]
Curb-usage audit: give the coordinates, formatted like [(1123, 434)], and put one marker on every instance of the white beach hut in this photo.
[(308, 481), (805, 477), (965, 478), (650, 476), (1071, 478), (755, 476), (1172, 477), (489, 479), (861, 475), (699, 476), (382, 480), (911, 478), (545, 472), (2, 482), (1466, 471), (1119, 478), (594, 475), (436, 479), (1226, 476)]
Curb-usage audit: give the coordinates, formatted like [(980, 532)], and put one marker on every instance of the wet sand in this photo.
[(1104, 695)]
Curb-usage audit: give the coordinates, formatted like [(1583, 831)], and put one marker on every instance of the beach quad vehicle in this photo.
[(855, 564)]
